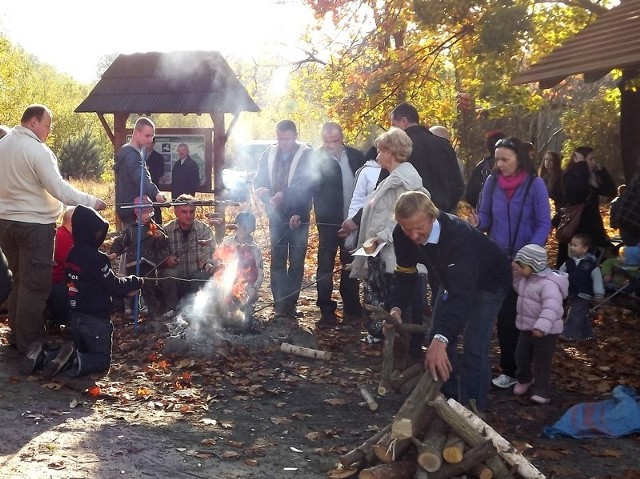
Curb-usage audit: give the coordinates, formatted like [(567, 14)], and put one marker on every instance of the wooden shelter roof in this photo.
[(611, 41), (168, 82)]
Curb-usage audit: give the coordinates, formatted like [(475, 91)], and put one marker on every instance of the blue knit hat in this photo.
[(532, 255)]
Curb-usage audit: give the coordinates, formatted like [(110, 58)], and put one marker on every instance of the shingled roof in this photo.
[(611, 41), (169, 82)]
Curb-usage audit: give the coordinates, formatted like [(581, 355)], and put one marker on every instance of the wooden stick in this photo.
[(358, 455), (410, 416), (466, 432), (305, 352), (430, 449), (453, 448), (394, 470), (388, 360), (504, 447), (401, 377), (471, 458), (366, 395)]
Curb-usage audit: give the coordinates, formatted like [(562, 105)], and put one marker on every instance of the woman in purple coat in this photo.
[(514, 211)]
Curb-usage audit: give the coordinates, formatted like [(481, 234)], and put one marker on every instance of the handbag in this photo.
[(569, 219)]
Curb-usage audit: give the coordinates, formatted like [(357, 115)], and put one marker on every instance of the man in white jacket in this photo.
[(33, 193)]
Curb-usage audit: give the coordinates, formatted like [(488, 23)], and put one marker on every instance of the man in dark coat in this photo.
[(185, 175), (483, 169), (433, 157), (334, 165), (474, 275), (155, 163)]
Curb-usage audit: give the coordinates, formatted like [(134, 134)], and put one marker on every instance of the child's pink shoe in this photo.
[(520, 389)]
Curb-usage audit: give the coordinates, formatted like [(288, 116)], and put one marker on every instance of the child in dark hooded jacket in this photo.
[(91, 283)]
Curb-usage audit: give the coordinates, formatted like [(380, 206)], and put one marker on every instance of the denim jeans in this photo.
[(288, 250), (508, 333), (328, 245), (472, 373), (578, 325), (93, 338)]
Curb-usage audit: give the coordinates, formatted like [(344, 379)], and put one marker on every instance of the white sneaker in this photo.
[(503, 381)]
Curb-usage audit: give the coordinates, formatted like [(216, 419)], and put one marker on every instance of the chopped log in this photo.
[(389, 449), (481, 471), (366, 395), (394, 470), (408, 386), (472, 457), (305, 352), (466, 432), (401, 377), (388, 360), (430, 448), (410, 418), (504, 447), (453, 448), (358, 455)]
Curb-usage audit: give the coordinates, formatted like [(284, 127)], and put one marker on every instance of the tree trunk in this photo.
[(629, 124)]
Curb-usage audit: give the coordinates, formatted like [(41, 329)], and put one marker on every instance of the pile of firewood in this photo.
[(429, 437), (433, 438)]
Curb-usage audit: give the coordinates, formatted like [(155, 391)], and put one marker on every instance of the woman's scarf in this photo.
[(511, 183)]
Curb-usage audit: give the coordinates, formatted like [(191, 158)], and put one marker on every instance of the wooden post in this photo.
[(388, 360)]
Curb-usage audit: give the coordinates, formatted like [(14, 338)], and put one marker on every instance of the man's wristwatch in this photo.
[(441, 339)]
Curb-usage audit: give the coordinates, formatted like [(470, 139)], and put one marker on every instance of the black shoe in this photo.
[(34, 358), (59, 362)]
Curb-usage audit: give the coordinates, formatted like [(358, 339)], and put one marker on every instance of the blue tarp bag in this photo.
[(614, 417)]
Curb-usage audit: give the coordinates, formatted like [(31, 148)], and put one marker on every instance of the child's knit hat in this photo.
[(532, 255), (631, 255)]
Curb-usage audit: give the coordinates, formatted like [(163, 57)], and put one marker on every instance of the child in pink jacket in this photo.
[(540, 294)]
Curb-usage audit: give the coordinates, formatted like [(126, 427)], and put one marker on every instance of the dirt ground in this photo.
[(254, 412)]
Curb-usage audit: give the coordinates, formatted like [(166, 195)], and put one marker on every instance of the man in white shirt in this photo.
[(33, 193)]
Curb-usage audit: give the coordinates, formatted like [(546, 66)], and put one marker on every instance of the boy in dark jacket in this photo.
[(91, 283)]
